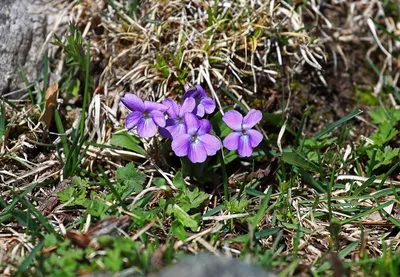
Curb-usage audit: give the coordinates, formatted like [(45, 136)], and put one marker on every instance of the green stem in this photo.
[(224, 176)]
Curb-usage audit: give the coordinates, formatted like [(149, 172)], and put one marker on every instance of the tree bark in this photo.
[(22, 34)]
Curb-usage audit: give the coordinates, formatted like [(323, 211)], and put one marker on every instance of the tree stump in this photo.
[(22, 34)]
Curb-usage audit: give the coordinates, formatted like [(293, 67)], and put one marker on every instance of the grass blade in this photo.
[(241, 106), (337, 123), (28, 86), (86, 91), (61, 131), (2, 121), (29, 259), (294, 158), (260, 213), (380, 207)]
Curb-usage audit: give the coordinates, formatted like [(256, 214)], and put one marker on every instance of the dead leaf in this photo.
[(109, 225), (48, 204), (338, 269), (78, 238), (106, 226), (377, 216), (157, 260), (50, 105)]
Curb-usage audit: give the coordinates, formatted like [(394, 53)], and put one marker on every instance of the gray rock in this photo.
[(22, 34), (202, 265), (212, 266)]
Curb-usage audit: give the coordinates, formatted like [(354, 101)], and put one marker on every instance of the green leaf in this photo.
[(96, 207), (159, 181), (214, 211), (191, 199), (178, 181), (231, 156), (78, 196), (178, 230), (366, 184), (315, 144), (188, 221), (295, 159), (79, 182), (24, 219), (296, 227), (161, 202), (253, 192), (74, 87), (50, 240), (162, 65), (379, 116), (236, 206), (384, 157), (385, 134), (127, 141), (219, 126), (131, 178), (382, 115), (143, 201), (307, 178), (66, 194), (266, 233), (113, 260)]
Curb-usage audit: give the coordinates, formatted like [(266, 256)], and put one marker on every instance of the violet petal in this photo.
[(199, 110), (192, 92), (133, 119), (208, 104), (146, 128), (164, 133), (211, 144), (180, 145), (133, 102), (150, 106), (173, 108), (188, 106), (176, 130), (197, 153), (233, 119), (191, 122), (245, 149), (200, 91), (255, 137), (158, 117), (252, 118), (205, 127), (231, 142)]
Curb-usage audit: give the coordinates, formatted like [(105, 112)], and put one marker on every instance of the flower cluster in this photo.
[(190, 133)]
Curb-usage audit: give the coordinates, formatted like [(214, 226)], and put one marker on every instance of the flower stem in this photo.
[(224, 176)]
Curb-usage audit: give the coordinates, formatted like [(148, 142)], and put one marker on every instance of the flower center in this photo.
[(146, 115), (244, 132), (194, 138), (179, 120)]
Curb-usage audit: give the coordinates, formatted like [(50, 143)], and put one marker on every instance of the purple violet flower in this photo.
[(243, 139), (175, 124), (197, 143), (145, 115), (204, 104)]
